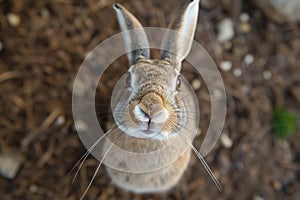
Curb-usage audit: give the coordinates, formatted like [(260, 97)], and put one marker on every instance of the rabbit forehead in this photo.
[(154, 72)]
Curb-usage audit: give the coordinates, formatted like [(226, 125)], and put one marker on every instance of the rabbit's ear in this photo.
[(177, 43), (134, 39)]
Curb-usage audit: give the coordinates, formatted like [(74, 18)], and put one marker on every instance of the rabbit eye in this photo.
[(178, 83), (128, 79)]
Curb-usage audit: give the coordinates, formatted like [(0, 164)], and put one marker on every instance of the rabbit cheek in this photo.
[(132, 116), (177, 119), (171, 124)]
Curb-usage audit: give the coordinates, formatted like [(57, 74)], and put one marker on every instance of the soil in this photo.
[(41, 54)]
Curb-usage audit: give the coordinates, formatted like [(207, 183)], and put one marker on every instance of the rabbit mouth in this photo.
[(148, 131), (146, 134)]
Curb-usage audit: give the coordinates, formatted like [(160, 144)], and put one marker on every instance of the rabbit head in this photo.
[(146, 101)]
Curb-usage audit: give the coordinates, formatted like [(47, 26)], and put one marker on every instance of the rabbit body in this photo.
[(156, 181)]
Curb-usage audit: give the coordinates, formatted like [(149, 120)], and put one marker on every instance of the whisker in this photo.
[(87, 153), (189, 118), (98, 167), (108, 113), (181, 99), (203, 162), (187, 111), (208, 170), (83, 104)]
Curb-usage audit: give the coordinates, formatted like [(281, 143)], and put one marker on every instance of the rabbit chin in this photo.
[(145, 134)]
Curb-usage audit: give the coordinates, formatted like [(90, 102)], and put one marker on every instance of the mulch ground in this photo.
[(39, 59)]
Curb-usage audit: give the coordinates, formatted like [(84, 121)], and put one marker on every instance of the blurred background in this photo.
[(255, 44)]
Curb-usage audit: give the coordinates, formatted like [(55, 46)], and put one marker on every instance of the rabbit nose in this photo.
[(145, 114), (156, 113), (151, 109)]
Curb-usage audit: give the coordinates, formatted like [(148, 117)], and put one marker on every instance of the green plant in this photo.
[(284, 123)]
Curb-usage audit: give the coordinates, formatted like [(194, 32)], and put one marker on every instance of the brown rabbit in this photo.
[(155, 108)]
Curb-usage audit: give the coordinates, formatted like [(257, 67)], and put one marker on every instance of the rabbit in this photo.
[(153, 106), (155, 111)]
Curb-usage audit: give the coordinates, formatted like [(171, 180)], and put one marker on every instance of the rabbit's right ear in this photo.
[(133, 39), (178, 41)]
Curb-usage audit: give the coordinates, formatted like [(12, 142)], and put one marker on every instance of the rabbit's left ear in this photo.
[(177, 43), (134, 36)]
